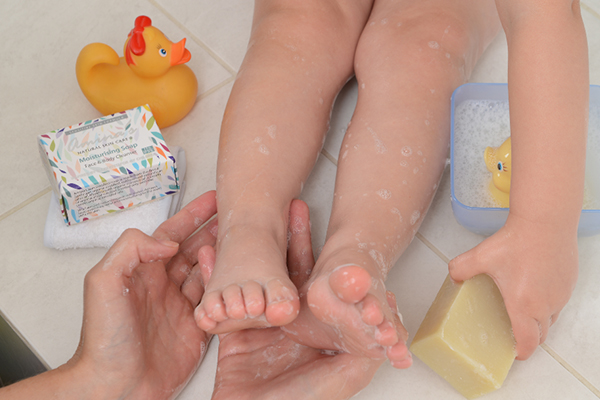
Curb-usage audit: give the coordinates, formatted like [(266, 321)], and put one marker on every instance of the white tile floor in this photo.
[(41, 289)]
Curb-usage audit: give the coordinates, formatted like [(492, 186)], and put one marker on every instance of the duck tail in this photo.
[(90, 56)]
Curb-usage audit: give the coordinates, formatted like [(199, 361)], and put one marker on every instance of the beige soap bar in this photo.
[(466, 336)]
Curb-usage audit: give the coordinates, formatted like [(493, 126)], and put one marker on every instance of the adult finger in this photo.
[(206, 263), (192, 288), (189, 219), (131, 249), (181, 264), (300, 258), (194, 285)]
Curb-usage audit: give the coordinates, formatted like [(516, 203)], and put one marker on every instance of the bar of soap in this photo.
[(466, 336)]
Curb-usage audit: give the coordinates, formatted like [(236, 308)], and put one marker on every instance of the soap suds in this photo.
[(384, 194), (414, 217), (433, 45)]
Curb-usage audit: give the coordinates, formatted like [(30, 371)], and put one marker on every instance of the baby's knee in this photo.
[(421, 38), (312, 19), (321, 31)]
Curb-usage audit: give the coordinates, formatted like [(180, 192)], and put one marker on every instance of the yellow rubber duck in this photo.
[(151, 72), (498, 162)]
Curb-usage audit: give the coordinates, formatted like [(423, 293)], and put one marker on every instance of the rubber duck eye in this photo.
[(500, 166), (162, 52)]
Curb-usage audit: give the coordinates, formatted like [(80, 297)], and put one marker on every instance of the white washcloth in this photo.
[(104, 231)]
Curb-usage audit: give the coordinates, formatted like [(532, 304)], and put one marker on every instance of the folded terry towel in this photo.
[(104, 231)]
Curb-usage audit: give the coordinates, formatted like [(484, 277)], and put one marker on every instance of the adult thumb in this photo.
[(133, 248)]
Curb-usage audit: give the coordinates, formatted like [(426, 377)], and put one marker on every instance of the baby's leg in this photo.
[(411, 55), (299, 56)]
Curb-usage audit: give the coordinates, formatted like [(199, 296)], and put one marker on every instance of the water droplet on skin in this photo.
[(379, 145), (433, 44), (263, 149)]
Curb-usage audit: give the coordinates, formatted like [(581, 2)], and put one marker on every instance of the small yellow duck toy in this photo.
[(151, 72), (498, 162)]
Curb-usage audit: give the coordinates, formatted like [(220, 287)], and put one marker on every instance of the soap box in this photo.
[(108, 164)]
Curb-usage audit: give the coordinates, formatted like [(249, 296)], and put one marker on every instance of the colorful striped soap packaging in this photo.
[(108, 164)]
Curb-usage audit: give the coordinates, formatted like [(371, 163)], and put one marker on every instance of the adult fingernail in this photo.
[(168, 243)]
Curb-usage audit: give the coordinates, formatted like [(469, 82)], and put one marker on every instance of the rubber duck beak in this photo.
[(179, 54)]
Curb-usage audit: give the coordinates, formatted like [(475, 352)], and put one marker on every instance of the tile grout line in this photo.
[(570, 369), (432, 247), (216, 88), (590, 10), (328, 156), (25, 203), (199, 42)]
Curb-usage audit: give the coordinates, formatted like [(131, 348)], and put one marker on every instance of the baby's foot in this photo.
[(347, 310), (249, 287)]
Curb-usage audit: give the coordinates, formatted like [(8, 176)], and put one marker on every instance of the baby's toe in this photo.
[(350, 283), (234, 302), (371, 312), (386, 334), (399, 355), (202, 320), (213, 305), (254, 299), (282, 302)]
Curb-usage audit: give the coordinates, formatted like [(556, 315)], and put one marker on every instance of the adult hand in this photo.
[(265, 363), (534, 266), (139, 337)]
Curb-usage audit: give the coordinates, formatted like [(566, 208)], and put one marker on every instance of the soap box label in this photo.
[(108, 164)]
